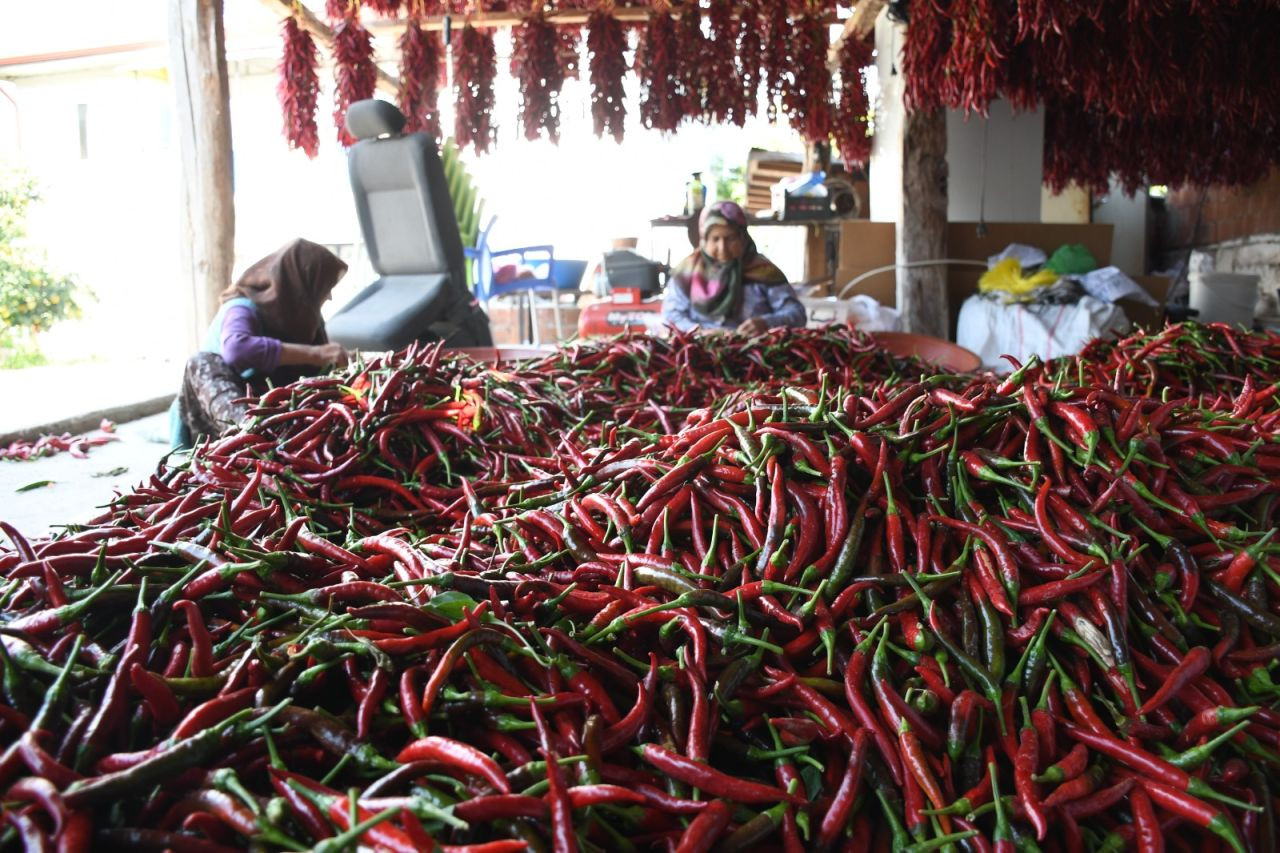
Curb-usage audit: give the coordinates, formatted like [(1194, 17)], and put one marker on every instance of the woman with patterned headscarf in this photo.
[(726, 284), (269, 329)]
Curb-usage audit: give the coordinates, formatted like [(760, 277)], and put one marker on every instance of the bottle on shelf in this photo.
[(695, 196)]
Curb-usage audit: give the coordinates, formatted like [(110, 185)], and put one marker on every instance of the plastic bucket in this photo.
[(1225, 297), (567, 274)]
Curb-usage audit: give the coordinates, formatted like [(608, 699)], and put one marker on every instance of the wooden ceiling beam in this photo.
[(858, 26), (496, 20)]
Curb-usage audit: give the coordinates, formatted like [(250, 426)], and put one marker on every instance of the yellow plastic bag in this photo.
[(1006, 278)]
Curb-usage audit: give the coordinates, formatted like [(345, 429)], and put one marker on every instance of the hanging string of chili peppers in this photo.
[(852, 110), (657, 65), (692, 68), (475, 66), (775, 55), (750, 58), (536, 63), (607, 64), (1124, 94), (724, 101), (421, 67), (299, 88), (355, 74), (806, 98), (569, 51)]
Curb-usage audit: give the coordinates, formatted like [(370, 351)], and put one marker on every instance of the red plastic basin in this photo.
[(927, 348)]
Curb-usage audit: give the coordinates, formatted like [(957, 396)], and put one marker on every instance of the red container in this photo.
[(927, 348)]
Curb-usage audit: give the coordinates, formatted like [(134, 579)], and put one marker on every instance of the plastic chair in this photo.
[(540, 260)]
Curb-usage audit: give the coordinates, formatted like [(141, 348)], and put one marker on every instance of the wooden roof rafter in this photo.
[(858, 25)]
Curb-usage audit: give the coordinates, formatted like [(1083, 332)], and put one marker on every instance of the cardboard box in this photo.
[(1149, 316)]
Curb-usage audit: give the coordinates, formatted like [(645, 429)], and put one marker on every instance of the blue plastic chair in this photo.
[(547, 276)]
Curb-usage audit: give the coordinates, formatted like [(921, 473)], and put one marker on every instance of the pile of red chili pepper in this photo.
[(78, 446), (789, 592)]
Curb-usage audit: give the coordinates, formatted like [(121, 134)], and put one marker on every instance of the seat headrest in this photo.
[(373, 118)]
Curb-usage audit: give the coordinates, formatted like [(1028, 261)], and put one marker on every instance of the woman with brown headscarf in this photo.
[(269, 329)]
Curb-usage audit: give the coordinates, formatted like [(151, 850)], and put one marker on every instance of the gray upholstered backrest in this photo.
[(402, 199)]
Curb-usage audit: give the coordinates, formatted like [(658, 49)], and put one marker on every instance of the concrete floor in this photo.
[(74, 398), (79, 487)]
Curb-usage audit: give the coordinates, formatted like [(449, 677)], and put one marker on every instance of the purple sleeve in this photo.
[(242, 347)]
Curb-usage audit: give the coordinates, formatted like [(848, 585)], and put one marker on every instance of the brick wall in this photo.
[(1227, 214)]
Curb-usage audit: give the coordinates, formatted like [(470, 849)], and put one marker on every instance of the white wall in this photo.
[(885, 169), (1009, 164), (1129, 236), (1002, 154)]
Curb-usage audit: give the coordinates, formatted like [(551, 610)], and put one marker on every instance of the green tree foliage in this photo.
[(32, 297)]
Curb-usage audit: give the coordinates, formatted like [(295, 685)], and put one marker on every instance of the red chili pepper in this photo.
[(456, 754), (161, 702), (705, 829), (836, 817), (561, 810), (713, 781), (1195, 663), (1186, 806), (1024, 769), (493, 807)]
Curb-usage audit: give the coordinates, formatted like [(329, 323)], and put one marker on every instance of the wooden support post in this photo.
[(198, 70), (922, 226)]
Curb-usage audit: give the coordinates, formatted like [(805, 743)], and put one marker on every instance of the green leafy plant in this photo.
[(467, 204), (32, 297), (730, 181)]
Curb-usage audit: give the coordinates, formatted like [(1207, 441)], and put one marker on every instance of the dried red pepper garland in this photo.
[(661, 106), (299, 88), (775, 55), (355, 73), (607, 45), (569, 51), (1122, 98), (977, 54), (850, 130), (725, 93), (421, 53), (475, 65), (536, 63), (807, 100), (386, 8), (692, 68), (924, 53), (750, 53)]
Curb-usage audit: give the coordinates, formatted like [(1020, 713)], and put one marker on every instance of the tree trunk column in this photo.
[(198, 71), (922, 225)]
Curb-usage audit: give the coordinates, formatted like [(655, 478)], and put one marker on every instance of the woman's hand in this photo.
[(752, 326), (324, 355)]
